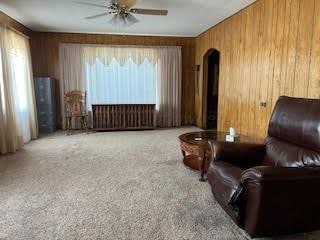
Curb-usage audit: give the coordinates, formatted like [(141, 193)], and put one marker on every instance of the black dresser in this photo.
[(46, 104)]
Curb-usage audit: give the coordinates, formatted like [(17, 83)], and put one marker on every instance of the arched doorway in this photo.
[(211, 64)]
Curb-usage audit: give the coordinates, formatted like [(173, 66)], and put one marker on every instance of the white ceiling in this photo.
[(185, 18)]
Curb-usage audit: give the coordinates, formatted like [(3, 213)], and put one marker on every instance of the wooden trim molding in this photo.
[(11, 23)]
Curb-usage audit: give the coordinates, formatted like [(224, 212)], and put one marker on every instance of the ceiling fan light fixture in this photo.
[(132, 19), (123, 12), (119, 21)]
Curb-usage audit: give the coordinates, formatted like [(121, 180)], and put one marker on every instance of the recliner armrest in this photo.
[(270, 173), (279, 200), (241, 154)]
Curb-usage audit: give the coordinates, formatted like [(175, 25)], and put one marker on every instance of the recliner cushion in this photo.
[(297, 120), (294, 133), (285, 154)]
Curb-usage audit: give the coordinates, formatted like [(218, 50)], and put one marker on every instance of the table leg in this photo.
[(183, 153), (202, 160)]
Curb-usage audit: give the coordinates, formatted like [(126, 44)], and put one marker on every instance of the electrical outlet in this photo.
[(263, 104)]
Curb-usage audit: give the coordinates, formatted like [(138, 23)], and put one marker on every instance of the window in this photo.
[(2, 92), (118, 74), (121, 84), (19, 75)]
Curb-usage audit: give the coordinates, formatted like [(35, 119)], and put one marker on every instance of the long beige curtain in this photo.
[(169, 87), (166, 60), (18, 122), (71, 72)]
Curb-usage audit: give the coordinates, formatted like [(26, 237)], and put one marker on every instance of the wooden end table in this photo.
[(196, 150)]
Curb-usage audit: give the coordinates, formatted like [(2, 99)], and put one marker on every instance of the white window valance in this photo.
[(121, 53)]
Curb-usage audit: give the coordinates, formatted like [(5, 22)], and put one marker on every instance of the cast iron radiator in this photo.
[(123, 116)]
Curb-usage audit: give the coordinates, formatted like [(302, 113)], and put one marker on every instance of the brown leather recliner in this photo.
[(273, 188)]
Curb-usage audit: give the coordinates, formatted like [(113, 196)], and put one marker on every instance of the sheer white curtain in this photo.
[(18, 123), (125, 74), (121, 84)]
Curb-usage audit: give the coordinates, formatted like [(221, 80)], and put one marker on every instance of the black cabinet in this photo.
[(46, 104)]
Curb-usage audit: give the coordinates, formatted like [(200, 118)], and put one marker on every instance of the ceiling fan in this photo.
[(123, 12)]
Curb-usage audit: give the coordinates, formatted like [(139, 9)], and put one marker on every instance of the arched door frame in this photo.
[(205, 84)]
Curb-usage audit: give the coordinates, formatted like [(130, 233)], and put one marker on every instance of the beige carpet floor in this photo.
[(110, 185)]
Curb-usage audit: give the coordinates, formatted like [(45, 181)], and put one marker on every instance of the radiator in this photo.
[(123, 116)]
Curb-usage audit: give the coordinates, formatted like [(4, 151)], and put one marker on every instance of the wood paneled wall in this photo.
[(45, 56), (269, 49), (10, 22)]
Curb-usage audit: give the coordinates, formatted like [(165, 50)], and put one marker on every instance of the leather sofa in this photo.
[(273, 188)]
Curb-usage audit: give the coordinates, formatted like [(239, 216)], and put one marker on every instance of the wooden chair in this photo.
[(75, 105)]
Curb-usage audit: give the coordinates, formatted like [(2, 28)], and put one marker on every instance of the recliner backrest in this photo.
[(294, 133)]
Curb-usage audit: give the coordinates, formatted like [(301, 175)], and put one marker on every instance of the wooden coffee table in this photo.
[(196, 150)]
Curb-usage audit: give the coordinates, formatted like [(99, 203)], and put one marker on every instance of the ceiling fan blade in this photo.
[(91, 4), (96, 16), (149, 11), (127, 3)]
